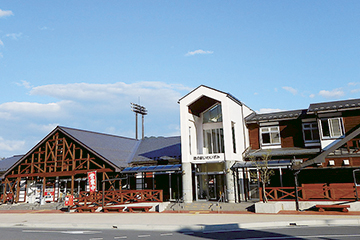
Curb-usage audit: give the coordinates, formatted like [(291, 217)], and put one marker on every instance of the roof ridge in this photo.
[(100, 133)]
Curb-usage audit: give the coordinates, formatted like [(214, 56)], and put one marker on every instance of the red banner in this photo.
[(69, 200), (92, 181)]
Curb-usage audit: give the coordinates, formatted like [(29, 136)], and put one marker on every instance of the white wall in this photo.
[(232, 112)]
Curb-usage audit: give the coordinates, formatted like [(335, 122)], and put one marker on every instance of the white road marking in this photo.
[(55, 231), (122, 237), (166, 234), (143, 236)]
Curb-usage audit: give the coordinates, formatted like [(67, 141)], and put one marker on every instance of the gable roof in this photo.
[(118, 150), (204, 86)]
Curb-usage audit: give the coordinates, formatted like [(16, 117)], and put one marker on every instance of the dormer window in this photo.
[(270, 135), (332, 128), (310, 132), (213, 115)]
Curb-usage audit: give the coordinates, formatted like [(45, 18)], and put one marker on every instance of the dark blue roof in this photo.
[(336, 105), (118, 150), (6, 163), (274, 116)]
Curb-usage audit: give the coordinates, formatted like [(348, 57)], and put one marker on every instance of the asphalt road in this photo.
[(293, 232)]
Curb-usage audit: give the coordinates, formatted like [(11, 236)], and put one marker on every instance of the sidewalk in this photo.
[(169, 221)]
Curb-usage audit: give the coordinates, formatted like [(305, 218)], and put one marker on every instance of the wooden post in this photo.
[(72, 185), (103, 194), (17, 189), (296, 190), (32, 163), (43, 190)]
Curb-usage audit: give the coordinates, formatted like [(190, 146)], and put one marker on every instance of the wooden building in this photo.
[(59, 164), (323, 142)]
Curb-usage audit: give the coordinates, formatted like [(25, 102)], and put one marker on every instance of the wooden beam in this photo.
[(60, 174)]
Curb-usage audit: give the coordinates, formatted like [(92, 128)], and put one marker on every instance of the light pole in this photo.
[(138, 109)]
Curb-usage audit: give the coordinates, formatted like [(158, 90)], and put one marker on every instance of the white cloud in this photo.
[(24, 83), (355, 90), (1, 43), (34, 110), (5, 13), (269, 110), (46, 128), (199, 51), (336, 93), (45, 28), (291, 90), (11, 145), (14, 36), (353, 83), (311, 95), (95, 107), (150, 93)]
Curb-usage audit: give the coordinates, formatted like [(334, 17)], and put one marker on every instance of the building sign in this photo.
[(49, 194), (209, 157), (69, 200), (92, 181)]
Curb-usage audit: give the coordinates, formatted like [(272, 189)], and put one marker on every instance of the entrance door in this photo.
[(33, 191), (202, 187), (210, 186)]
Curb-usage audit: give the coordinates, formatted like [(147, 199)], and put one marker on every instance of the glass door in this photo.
[(202, 187)]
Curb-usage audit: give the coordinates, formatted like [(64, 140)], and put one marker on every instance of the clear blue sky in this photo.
[(80, 63)]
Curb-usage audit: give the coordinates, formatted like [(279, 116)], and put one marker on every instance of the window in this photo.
[(270, 135), (332, 128), (233, 136), (213, 115), (213, 141), (190, 140), (310, 132)]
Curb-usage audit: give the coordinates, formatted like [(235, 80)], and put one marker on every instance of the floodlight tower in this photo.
[(138, 109)]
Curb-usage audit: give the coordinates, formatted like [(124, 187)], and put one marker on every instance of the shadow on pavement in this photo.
[(232, 231)]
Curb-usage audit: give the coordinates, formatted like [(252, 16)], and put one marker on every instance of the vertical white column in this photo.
[(187, 182), (230, 181)]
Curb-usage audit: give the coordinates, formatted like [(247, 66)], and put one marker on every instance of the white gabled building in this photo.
[(213, 138)]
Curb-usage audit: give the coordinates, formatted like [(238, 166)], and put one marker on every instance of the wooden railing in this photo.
[(312, 192), (117, 197)]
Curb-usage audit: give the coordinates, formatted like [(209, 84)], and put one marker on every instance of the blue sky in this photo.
[(80, 63)]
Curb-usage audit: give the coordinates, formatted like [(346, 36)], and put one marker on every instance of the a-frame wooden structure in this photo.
[(58, 156)]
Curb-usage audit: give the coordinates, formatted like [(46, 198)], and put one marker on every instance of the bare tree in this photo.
[(264, 171)]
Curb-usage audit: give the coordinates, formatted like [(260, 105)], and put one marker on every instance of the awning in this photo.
[(157, 168), (271, 164)]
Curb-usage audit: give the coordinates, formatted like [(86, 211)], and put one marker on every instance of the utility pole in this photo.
[(138, 109)]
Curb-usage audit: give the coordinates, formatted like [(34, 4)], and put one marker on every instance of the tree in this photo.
[(265, 173)]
